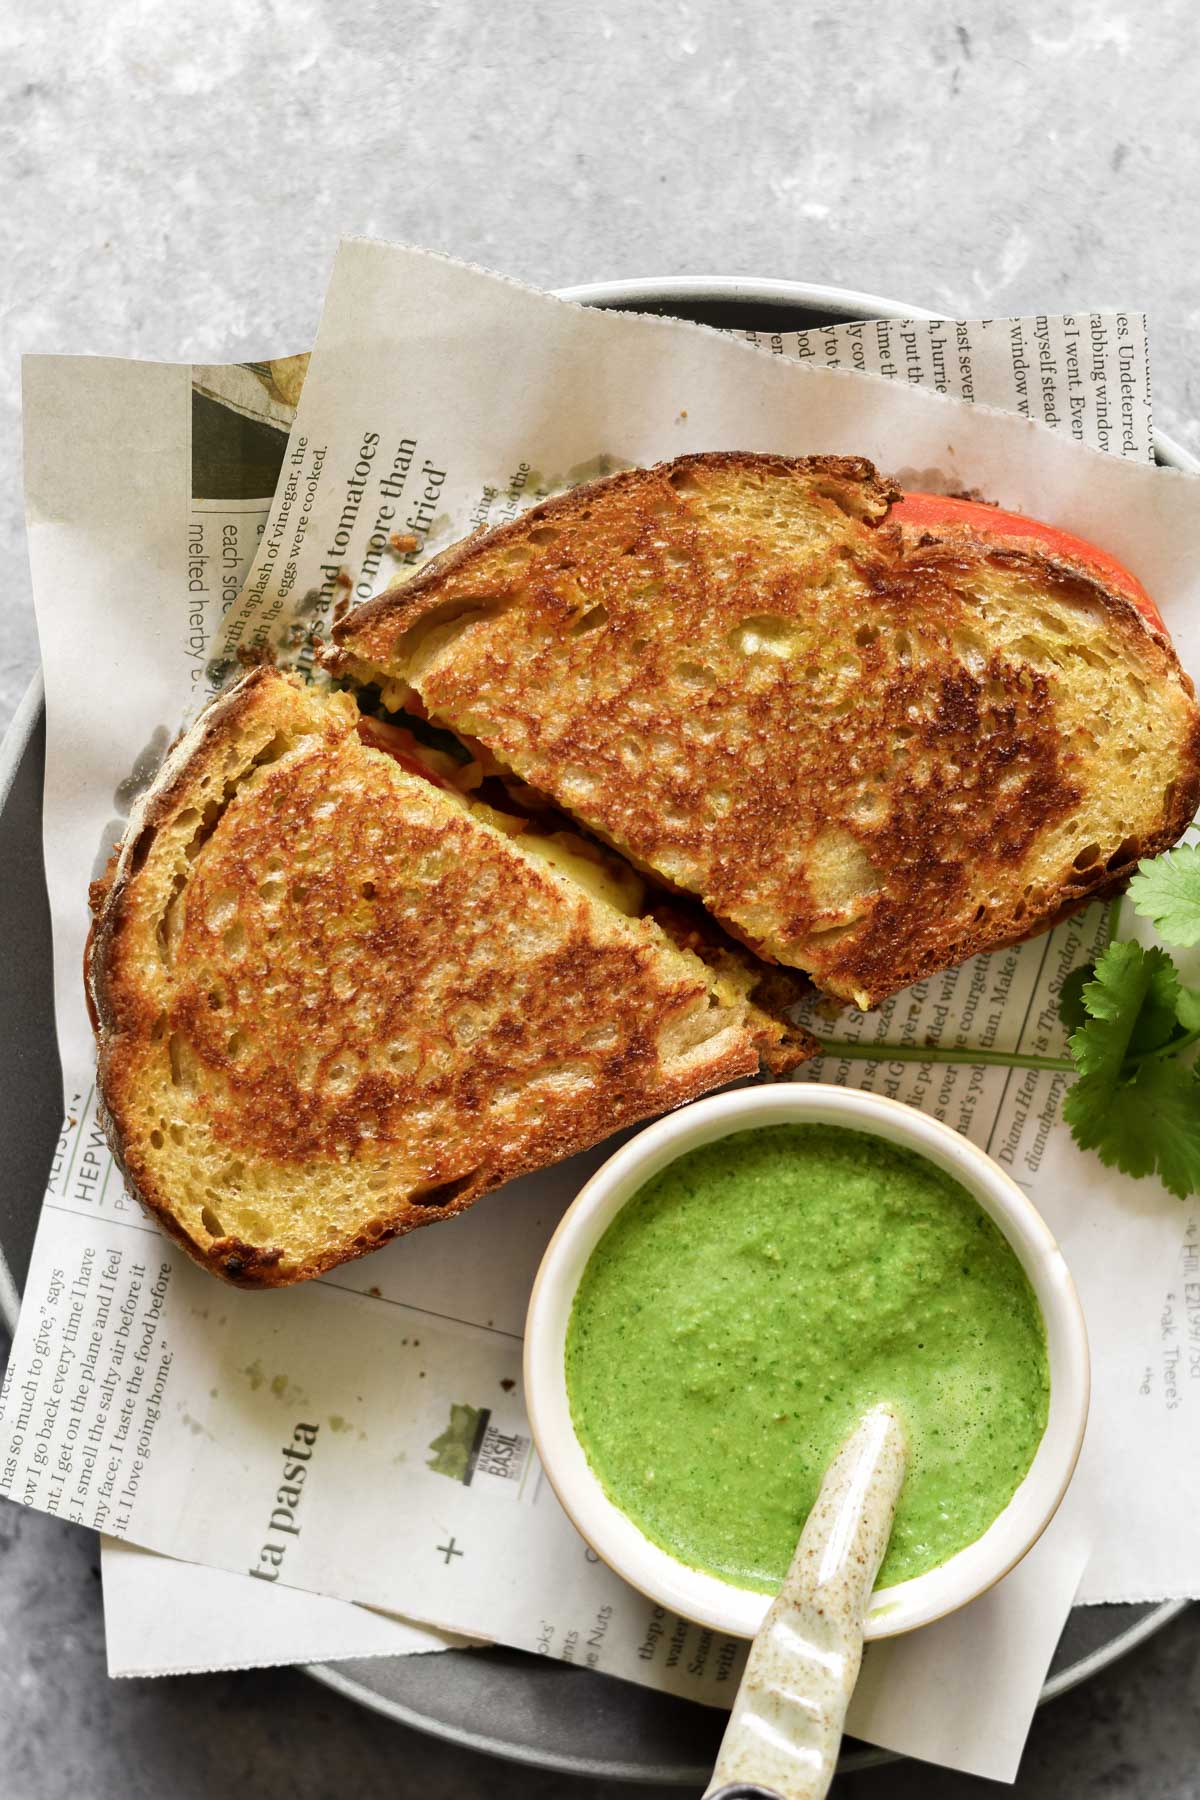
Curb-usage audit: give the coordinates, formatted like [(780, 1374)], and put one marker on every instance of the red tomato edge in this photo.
[(934, 511)]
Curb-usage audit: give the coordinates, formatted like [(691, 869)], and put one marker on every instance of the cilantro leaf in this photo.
[(1166, 890), (1148, 1123), (1143, 1119), (1071, 1009), (1157, 1019), (1131, 1001), (1187, 1008)]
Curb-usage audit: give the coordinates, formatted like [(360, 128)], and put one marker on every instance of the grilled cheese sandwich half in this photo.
[(869, 750), (335, 1000)]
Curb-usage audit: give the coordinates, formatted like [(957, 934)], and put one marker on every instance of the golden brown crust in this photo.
[(315, 974), (871, 752), (402, 605), (904, 952)]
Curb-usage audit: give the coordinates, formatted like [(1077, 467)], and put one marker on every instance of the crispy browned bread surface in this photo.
[(869, 754), (334, 1003)]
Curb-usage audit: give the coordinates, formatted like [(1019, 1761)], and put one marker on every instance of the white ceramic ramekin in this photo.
[(707, 1598)]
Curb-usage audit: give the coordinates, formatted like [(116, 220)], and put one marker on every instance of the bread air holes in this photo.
[(849, 498), (234, 940), (693, 674), (271, 886), (684, 482), (182, 1063), (1126, 851), (142, 846), (434, 1195), (1085, 865), (591, 620), (763, 634), (1034, 652), (444, 624), (341, 1073), (170, 922), (275, 748), (211, 1222)]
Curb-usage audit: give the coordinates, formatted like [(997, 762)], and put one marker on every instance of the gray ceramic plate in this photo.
[(523, 1707)]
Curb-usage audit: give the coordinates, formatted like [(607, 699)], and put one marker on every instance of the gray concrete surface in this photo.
[(172, 182)]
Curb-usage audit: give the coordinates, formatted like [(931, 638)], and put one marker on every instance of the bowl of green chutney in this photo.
[(737, 1285)]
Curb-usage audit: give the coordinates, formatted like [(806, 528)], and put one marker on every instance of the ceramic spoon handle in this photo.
[(786, 1725)]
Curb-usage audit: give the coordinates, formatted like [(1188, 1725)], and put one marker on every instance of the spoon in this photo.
[(783, 1735)]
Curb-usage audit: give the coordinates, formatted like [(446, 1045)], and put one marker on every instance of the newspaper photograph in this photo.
[(363, 1437)]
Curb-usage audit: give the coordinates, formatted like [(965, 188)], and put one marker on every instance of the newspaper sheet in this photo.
[(165, 1617), (478, 429)]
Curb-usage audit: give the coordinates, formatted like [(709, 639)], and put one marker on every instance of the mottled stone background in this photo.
[(172, 182)]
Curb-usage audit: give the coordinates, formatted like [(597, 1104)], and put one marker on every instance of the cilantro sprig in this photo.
[(1167, 892), (1136, 1102), (1133, 1024)]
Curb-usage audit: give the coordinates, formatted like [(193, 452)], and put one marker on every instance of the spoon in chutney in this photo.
[(786, 1725)]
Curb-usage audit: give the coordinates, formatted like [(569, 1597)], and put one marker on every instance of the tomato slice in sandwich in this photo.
[(934, 512), (401, 746)]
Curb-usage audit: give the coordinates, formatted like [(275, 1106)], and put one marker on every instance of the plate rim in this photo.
[(633, 294)]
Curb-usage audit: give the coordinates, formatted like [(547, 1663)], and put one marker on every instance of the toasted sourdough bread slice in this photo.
[(869, 752), (333, 1002)]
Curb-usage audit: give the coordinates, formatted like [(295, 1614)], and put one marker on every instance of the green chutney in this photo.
[(750, 1303)]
